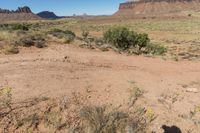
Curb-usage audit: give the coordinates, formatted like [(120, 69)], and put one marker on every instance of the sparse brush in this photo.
[(120, 37), (53, 119), (36, 40), (135, 93), (61, 115), (23, 27), (156, 49), (7, 36), (67, 35), (85, 34), (10, 49), (142, 41), (6, 98), (125, 39), (99, 41), (15, 26), (99, 120)]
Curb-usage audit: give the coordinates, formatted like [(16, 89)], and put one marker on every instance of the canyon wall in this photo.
[(156, 7)]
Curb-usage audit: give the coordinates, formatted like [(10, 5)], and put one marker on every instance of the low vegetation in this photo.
[(10, 49), (36, 40), (130, 38), (97, 120), (125, 39), (67, 35), (68, 114), (119, 38), (15, 26)]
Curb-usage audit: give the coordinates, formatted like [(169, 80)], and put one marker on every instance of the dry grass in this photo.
[(67, 115), (10, 49), (170, 33), (98, 120)]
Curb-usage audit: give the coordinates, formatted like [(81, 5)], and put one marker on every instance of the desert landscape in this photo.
[(136, 71)]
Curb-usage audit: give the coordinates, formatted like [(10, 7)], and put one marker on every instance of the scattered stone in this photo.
[(193, 90), (104, 47), (89, 97)]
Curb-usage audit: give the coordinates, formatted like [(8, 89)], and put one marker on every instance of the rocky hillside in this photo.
[(21, 14), (157, 7), (47, 15), (24, 9)]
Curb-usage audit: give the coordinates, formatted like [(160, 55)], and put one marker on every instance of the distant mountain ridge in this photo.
[(24, 9), (21, 14), (47, 15)]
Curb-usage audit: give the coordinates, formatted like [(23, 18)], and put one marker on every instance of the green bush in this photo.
[(142, 40), (20, 27), (99, 41), (85, 34), (120, 37), (125, 39), (15, 26), (100, 120), (156, 49), (10, 49), (68, 35), (32, 40)]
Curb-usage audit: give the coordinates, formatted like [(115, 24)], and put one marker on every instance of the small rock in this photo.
[(194, 90), (88, 90), (89, 97), (66, 57)]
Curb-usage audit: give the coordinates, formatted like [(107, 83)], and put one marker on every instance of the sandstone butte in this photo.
[(157, 7)]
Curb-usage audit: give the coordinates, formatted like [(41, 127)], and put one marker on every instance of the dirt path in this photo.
[(106, 78)]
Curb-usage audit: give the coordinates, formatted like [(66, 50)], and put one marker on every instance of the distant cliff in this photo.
[(157, 7), (21, 14)]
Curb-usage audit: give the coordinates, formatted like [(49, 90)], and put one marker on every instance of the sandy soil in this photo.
[(106, 78)]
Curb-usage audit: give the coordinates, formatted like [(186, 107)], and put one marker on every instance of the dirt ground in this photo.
[(106, 78)]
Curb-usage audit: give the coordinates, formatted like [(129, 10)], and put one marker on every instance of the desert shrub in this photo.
[(91, 39), (32, 40), (142, 40), (15, 26), (68, 35), (4, 26), (99, 120), (120, 37), (99, 41), (5, 98), (156, 49), (10, 49), (20, 27), (135, 93), (125, 39), (85, 34), (53, 119), (69, 115), (21, 32)]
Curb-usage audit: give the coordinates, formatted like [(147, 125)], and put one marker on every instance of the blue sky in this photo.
[(66, 7)]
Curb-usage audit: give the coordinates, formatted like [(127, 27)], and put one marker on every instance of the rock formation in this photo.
[(47, 15), (21, 14), (24, 9), (157, 7)]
